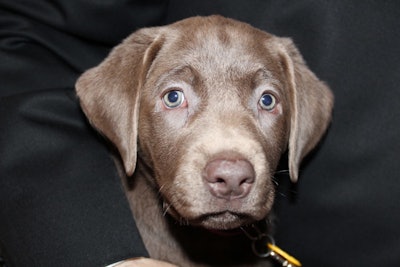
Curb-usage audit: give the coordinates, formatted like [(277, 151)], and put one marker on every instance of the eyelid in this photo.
[(267, 88), (173, 85)]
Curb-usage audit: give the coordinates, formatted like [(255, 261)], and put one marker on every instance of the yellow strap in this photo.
[(292, 260)]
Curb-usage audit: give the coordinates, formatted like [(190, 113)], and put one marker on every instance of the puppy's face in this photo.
[(208, 105), (208, 110)]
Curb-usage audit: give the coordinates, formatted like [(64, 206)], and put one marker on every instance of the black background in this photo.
[(57, 211)]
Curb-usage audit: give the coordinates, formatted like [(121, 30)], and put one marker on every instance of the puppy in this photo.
[(201, 112)]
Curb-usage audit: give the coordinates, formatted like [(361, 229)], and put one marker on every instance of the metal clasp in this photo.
[(263, 246), (259, 240)]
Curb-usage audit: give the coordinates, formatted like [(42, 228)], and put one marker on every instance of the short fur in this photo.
[(223, 67)]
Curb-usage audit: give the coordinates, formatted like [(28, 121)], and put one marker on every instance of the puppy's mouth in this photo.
[(220, 221), (217, 220), (225, 220)]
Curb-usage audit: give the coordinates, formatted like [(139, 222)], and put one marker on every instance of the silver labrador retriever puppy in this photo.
[(201, 112)]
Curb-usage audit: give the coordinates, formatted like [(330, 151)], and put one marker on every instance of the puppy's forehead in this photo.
[(217, 44)]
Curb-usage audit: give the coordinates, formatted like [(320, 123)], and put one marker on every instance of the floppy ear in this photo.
[(109, 93), (311, 103)]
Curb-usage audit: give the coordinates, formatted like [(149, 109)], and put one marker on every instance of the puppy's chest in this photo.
[(185, 246)]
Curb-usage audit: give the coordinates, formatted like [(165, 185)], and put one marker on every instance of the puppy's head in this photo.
[(209, 105)]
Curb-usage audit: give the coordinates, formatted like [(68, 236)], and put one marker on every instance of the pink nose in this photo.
[(229, 179)]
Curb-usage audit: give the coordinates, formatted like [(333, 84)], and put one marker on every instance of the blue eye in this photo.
[(267, 101), (173, 99)]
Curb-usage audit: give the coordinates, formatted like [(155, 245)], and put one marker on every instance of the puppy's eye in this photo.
[(173, 99), (267, 101)]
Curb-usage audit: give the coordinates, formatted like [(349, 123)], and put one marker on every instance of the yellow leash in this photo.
[(282, 256)]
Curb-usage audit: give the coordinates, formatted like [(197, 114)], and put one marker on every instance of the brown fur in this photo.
[(223, 67)]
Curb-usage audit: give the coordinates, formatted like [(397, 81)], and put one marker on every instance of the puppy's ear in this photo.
[(311, 103), (109, 93)]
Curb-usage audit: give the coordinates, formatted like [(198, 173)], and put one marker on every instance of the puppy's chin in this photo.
[(221, 221)]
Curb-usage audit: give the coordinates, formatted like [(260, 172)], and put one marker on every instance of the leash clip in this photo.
[(263, 246), (259, 239)]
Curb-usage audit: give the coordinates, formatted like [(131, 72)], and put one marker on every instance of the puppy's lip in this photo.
[(222, 222), (217, 221)]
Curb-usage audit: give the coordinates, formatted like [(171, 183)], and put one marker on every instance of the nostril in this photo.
[(248, 180), (229, 178), (220, 181)]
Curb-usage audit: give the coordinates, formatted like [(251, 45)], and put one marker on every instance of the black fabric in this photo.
[(61, 203), (53, 208)]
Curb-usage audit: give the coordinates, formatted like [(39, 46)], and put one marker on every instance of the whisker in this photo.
[(282, 171), (166, 207), (275, 180), (282, 194)]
